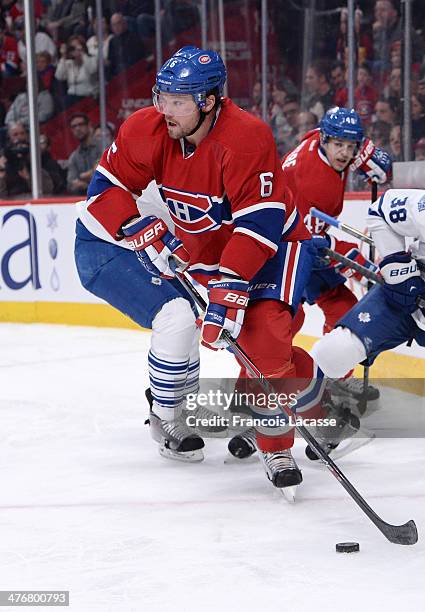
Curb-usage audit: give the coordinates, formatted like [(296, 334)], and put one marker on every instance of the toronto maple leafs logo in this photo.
[(364, 317)]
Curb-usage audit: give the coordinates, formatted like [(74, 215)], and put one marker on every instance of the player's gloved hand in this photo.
[(155, 246), (403, 282), (228, 299), (372, 163), (357, 257), (319, 243)]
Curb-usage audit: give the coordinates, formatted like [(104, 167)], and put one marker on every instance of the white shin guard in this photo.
[(338, 352), (173, 358)]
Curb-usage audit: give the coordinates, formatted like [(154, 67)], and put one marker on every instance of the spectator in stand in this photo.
[(393, 91), (9, 57), (3, 174), (16, 177), (379, 133), (363, 41), (320, 94), (278, 122), (257, 98), (125, 47), (176, 16), (339, 84), (51, 166), (418, 118), (45, 69), (421, 86), (65, 17), (365, 95), (19, 109), (395, 54), (42, 42), (306, 121), (15, 10), (387, 30), (385, 112), (92, 45), (291, 110), (78, 69), (419, 150), (83, 160), (395, 144), (109, 134)]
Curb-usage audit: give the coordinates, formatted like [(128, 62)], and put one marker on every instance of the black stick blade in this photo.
[(401, 534)]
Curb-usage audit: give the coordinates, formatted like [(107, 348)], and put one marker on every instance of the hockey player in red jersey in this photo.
[(316, 172), (237, 230)]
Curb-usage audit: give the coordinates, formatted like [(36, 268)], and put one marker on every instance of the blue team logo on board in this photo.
[(421, 204), (193, 212)]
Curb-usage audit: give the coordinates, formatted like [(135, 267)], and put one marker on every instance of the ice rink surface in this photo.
[(88, 505)]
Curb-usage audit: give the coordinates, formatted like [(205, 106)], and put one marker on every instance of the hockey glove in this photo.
[(318, 243), (228, 300), (372, 163), (155, 246), (403, 282), (357, 257)]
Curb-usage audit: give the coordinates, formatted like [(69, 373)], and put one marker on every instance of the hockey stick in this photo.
[(314, 212), (363, 400), (369, 274), (397, 534), (349, 230)]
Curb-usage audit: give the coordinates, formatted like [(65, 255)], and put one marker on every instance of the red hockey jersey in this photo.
[(228, 198)]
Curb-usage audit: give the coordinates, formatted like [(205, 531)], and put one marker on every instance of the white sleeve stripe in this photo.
[(290, 220), (258, 237), (224, 270), (255, 207), (114, 180)]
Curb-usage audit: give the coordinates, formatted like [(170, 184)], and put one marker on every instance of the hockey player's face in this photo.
[(180, 111), (339, 152)]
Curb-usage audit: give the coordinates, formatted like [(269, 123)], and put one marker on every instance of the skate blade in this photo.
[(361, 438), (194, 456), (289, 493)]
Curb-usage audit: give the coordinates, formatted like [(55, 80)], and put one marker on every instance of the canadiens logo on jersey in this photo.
[(193, 212)]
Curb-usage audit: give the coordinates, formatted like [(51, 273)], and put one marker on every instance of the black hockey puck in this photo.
[(348, 547)]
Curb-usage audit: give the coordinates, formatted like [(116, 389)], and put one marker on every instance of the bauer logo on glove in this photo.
[(228, 300), (159, 251)]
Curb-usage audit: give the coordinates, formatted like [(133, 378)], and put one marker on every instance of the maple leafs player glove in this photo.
[(403, 282), (357, 257), (228, 300), (155, 246), (318, 243), (372, 163)]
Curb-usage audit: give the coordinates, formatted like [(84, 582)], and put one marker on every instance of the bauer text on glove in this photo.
[(155, 246), (228, 300), (403, 283)]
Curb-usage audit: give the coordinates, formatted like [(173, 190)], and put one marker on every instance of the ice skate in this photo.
[(352, 389), (342, 438), (176, 440), (243, 445), (212, 426), (282, 471)]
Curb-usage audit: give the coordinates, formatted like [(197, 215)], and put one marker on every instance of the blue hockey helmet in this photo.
[(192, 71), (343, 123)]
